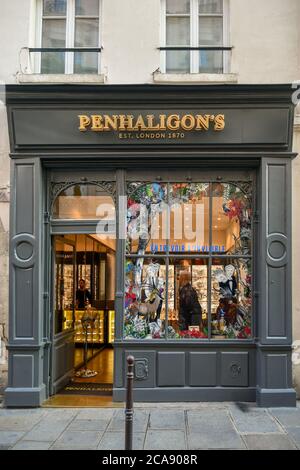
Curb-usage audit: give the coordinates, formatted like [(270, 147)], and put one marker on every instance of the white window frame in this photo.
[(194, 36), (70, 35)]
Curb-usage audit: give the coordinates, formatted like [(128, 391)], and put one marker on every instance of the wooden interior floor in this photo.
[(81, 401), (103, 363)]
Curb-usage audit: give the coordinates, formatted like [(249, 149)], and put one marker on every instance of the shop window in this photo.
[(232, 218), (67, 26), (84, 201), (194, 33), (189, 264)]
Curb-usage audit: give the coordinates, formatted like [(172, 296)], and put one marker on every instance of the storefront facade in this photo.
[(224, 154)]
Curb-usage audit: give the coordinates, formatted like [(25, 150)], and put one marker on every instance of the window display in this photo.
[(188, 261), (232, 216), (144, 299), (232, 293)]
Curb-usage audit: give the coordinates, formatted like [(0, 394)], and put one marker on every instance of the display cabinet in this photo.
[(111, 326), (94, 335)]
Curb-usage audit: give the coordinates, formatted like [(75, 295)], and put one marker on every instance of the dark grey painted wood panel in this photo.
[(144, 368), (277, 302), (277, 199), (277, 374), (202, 369), (274, 265), (59, 127), (234, 369), (24, 187), (22, 370), (171, 369), (24, 307), (59, 359)]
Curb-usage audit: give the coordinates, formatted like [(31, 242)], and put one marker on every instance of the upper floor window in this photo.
[(68, 34), (194, 33)]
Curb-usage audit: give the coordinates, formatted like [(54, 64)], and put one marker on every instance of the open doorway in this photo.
[(83, 314)]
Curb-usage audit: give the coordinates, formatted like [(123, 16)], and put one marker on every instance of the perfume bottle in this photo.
[(222, 321)]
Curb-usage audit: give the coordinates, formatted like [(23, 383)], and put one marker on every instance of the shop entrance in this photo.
[(83, 314)]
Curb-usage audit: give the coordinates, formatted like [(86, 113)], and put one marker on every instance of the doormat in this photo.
[(84, 388)]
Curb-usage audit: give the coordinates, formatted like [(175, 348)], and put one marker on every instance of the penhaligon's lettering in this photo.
[(150, 122)]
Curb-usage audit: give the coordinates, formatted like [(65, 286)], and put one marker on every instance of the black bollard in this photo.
[(129, 404)]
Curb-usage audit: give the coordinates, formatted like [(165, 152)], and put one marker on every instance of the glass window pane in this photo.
[(54, 35), (189, 217), (86, 62), (187, 298), (86, 33), (232, 218), (231, 302), (87, 7), (210, 6), (52, 62), (147, 218), (210, 31), (84, 201), (64, 285), (178, 6), (211, 62), (54, 7), (178, 31), (177, 61), (144, 299)]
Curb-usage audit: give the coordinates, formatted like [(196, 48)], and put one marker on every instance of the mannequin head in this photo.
[(229, 270), (220, 276)]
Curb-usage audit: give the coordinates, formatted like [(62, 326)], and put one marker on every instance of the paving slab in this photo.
[(213, 439), (96, 413), (88, 425), (47, 430), (140, 421), (268, 442), (18, 423), (249, 419), (61, 413), (287, 416), (31, 445), (214, 418), (116, 441), (165, 440), (212, 429), (167, 419), (78, 440), (22, 412), (9, 438), (294, 433)]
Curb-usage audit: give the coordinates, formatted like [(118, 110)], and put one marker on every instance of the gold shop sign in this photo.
[(150, 125)]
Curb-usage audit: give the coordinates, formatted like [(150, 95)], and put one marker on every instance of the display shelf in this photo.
[(94, 335), (111, 326)]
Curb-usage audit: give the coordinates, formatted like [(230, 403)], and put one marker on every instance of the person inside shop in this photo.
[(83, 295), (190, 311)]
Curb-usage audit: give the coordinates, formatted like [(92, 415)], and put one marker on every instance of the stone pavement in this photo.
[(158, 426)]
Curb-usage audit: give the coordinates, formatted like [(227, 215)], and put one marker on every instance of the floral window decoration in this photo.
[(188, 269)]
